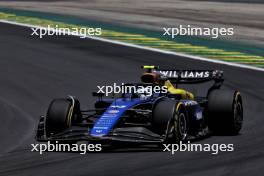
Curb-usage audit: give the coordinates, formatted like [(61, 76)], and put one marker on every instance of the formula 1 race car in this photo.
[(173, 115)]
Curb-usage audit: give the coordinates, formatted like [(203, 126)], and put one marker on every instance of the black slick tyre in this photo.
[(225, 112)]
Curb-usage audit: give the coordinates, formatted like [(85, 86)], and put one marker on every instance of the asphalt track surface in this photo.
[(33, 71)]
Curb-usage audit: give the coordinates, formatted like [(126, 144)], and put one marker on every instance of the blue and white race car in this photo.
[(154, 117)]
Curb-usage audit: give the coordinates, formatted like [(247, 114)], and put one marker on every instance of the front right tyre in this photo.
[(170, 120)]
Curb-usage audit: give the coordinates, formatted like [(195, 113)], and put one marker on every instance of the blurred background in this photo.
[(246, 16)]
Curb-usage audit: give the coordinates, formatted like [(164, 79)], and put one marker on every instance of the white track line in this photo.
[(147, 48)]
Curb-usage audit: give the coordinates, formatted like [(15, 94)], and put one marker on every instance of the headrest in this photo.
[(150, 78)]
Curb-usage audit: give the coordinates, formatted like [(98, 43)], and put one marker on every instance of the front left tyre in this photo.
[(59, 116)]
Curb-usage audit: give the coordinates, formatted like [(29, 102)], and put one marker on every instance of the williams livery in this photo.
[(136, 117)]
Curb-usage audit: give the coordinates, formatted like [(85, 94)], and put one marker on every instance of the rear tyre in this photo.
[(59, 116), (170, 120), (225, 112)]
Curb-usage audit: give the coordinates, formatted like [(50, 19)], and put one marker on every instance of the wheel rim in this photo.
[(182, 126), (177, 128), (238, 115)]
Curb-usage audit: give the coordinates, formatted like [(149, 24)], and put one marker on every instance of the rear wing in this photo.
[(187, 76), (191, 76)]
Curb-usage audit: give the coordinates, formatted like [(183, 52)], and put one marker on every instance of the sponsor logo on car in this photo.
[(184, 74), (118, 106), (190, 103), (199, 115), (109, 115), (113, 111)]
